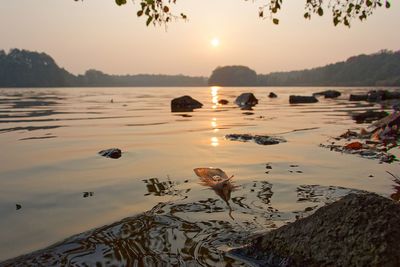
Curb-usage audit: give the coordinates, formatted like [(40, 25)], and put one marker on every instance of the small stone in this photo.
[(272, 95), (223, 101), (113, 153)]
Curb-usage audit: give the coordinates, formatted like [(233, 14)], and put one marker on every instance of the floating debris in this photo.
[(113, 153), (374, 144), (258, 139), (218, 181)]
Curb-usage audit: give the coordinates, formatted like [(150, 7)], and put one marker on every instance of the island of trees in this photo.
[(21, 68), (379, 69)]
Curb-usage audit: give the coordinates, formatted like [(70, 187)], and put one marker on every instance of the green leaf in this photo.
[(336, 21), (149, 20), (120, 2), (387, 5)]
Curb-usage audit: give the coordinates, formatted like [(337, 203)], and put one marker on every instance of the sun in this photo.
[(215, 42)]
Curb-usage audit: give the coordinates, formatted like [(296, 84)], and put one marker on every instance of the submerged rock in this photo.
[(358, 230), (184, 104), (113, 153), (328, 94), (246, 100), (258, 139), (272, 95), (297, 99)]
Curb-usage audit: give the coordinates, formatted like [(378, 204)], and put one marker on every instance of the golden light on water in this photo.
[(214, 123), (214, 95), (214, 141)]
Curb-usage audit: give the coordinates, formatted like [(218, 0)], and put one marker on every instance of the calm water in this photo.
[(50, 139)]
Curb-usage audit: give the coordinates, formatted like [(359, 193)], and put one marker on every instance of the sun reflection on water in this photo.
[(214, 141), (214, 94)]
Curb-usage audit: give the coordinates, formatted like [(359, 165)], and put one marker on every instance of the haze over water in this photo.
[(50, 139)]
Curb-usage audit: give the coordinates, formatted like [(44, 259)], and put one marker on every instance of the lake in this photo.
[(51, 167)]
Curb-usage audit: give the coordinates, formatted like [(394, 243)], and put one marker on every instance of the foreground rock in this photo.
[(113, 153), (297, 99), (184, 104), (246, 100), (328, 94), (358, 230), (258, 139)]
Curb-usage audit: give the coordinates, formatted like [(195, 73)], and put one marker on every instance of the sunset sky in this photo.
[(98, 34)]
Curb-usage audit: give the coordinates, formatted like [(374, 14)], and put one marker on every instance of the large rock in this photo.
[(297, 99), (184, 104), (358, 230), (246, 100), (328, 94)]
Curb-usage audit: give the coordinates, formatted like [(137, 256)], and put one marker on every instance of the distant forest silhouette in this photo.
[(22, 68)]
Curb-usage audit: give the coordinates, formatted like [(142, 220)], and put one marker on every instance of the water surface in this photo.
[(50, 139)]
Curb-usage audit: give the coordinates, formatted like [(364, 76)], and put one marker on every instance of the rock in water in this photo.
[(184, 104), (258, 139), (358, 98), (223, 102), (328, 94), (246, 100), (358, 230), (113, 153), (297, 99), (368, 116), (272, 95)]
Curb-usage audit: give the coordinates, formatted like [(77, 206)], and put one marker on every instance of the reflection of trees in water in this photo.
[(181, 233), (150, 239), (159, 188), (325, 194)]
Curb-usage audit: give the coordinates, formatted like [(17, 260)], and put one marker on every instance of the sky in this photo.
[(98, 34)]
